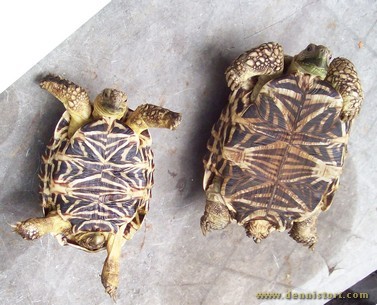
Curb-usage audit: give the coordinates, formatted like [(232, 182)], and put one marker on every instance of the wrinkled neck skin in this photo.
[(99, 112), (307, 68)]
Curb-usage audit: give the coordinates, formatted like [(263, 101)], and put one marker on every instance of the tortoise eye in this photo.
[(106, 93), (310, 48)]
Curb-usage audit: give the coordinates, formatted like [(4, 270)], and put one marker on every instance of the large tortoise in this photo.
[(276, 153), (97, 173)]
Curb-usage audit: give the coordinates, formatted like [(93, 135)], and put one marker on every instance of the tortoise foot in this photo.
[(216, 217), (28, 229), (305, 232), (110, 278)]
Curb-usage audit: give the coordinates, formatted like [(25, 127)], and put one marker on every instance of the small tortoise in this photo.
[(277, 151), (97, 173)]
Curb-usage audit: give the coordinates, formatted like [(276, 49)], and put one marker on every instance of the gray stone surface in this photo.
[(174, 53), (367, 285)]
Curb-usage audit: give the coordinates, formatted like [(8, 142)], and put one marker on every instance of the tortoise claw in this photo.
[(110, 278), (205, 225), (232, 79), (174, 120), (26, 229), (112, 291)]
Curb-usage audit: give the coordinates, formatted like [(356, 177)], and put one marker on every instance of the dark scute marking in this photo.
[(337, 130), (240, 106), (310, 108), (323, 153), (242, 181), (251, 112), (81, 149), (321, 91), (136, 178), (243, 210), (257, 140), (325, 89), (118, 130), (299, 159), (322, 123), (95, 127), (226, 132), (217, 125), (210, 142), (276, 117), (237, 137), (284, 82), (292, 104), (206, 157), (93, 226), (219, 162), (268, 111), (310, 193)]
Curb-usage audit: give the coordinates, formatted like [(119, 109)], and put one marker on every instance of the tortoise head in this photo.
[(314, 59), (110, 103), (91, 241)]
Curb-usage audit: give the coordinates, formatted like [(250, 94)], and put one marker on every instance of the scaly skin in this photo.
[(74, 98), (258, 229), (267, 59), (216, 215), (34, 228), (110, 103), (343, 77), (305, 232), (115, 242), (313, 60), (152, 116), (110, 271)]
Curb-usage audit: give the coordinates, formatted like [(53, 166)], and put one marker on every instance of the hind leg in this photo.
[(305, 232), (111, 267), (216, 215), (110, 270), (34, 228)]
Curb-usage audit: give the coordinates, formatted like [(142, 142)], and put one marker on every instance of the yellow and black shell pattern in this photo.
[(280, 154), (100, 177)]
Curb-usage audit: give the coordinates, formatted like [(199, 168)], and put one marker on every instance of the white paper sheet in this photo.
[(29, 30)]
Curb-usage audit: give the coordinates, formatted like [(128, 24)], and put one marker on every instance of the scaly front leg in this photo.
[(343, 77), (74, 98), (152, 116), (267, 59)]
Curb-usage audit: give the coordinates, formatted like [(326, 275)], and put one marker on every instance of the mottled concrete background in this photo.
[(174, 54)]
